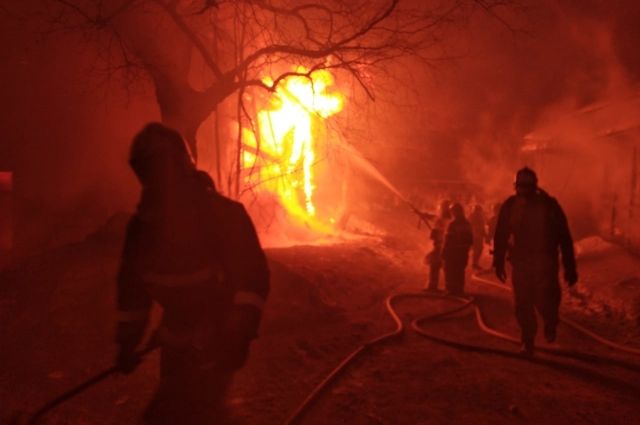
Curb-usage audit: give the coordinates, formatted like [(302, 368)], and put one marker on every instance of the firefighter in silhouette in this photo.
[(196, 254), (492, 222), (478, 227), (455, 252), (434, 258), (531, 228)]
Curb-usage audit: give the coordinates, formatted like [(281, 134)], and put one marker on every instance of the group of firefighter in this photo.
[(196, 254), (528, 229), (453, 237)]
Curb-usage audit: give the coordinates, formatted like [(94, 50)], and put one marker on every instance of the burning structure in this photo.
[(281, 153)]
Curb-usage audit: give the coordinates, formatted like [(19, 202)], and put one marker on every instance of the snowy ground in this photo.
[(57, 317)]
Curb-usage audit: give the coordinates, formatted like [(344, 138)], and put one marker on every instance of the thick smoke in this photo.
[(585, 142), (522, 94), (568, 106)]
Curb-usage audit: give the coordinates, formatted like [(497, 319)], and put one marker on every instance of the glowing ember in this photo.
[(282, 155)]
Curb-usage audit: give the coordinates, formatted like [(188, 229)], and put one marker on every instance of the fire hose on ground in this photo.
[(566, 321), (425, 218), (71, 393), (465, 302)]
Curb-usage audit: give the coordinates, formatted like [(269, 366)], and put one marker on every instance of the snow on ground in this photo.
[(609, 288)]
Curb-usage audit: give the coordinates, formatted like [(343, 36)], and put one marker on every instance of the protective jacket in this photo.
[(455, 254), (197, 259), (531, 230), (457, 242)]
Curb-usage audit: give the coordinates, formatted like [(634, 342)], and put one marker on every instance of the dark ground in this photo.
[(57, 315)]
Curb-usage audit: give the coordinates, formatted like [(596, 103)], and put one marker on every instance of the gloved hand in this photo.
[(127, 359), (571, 277), (501, 274), (241, 330)]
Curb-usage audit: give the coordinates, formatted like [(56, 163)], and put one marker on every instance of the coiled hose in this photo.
[(568, 322), (465, 302)]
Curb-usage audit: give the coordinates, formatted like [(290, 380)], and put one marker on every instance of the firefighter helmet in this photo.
[(158, 144), (457, 210), (526, 177)]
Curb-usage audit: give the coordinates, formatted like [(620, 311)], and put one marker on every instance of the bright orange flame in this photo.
[(281, 159)]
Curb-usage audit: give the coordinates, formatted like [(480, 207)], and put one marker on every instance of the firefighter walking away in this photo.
[(455, 252), (197, 255), (434, 258), (530, 231)]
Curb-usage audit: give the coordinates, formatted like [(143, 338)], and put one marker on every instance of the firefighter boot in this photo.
[(527, 348)]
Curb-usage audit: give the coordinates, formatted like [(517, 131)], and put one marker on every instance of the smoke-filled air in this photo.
[(319, 212)]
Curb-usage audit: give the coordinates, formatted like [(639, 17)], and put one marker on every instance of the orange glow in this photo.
[(280, 158)]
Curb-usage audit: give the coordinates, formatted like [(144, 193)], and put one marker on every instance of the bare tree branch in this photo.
[(240, 42)]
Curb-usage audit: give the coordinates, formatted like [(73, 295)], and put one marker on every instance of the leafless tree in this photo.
[(237, 42)]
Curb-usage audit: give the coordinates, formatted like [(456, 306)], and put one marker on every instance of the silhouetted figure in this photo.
[(434, 258), (531, 227), (197, 255), (455, 253), (478, 227), (492, 223)]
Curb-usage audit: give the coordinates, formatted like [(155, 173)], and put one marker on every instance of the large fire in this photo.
[(280, 153)]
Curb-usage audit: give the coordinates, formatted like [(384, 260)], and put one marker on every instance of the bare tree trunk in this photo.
[(218, 147), (216, 123), (166, 55), (238, 162)]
